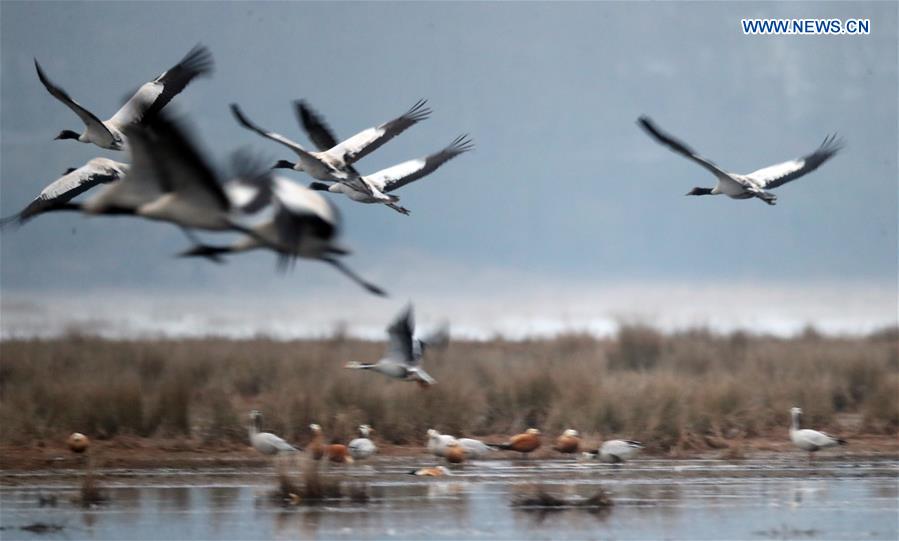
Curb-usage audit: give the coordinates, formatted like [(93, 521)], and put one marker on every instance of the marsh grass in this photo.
[(676, 392)]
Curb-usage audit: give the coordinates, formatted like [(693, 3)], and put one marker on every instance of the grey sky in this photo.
[(563, 194)]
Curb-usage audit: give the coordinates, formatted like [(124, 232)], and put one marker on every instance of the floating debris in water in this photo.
[(544, 500)]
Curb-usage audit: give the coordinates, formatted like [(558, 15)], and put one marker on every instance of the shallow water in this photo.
[(654, 499)]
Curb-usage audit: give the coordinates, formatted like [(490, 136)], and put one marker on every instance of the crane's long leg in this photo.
[(336, 263)]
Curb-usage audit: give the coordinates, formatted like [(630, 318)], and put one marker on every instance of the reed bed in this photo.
[(688, 390)]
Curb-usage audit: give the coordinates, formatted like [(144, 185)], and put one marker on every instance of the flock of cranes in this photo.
[(169, 179)]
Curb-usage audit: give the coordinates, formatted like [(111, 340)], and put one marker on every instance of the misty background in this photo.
[(565, 217)]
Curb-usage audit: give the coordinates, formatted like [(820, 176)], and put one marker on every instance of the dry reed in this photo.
[(675, 392)]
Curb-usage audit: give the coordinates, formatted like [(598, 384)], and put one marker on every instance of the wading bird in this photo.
[(334, 452), (393, 178), (569, 442), (149, 99), (403, 358), (753, 184), (615, 451), (266, 442), (808, 439), (362, 447), (524, 443), (316, 447)]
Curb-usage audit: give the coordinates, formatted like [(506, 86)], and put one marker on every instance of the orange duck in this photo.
[(526, 442)]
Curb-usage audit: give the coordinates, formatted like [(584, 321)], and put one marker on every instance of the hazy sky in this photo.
[(565, 214)]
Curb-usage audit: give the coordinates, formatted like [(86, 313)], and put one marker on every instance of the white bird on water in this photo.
[(266, 442), (616, 451), (755, 184), (438, 443), (808, 439), (362, 447), (147, 101), (403, 358)]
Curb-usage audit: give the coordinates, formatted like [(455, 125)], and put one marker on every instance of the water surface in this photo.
[(654, 499)]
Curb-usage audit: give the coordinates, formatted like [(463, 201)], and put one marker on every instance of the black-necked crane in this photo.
[(336, 164), (397, 176), (303, 225), (755, 184), (149, 99)]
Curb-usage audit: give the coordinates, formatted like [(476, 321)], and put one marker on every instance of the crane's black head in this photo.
[(67, 134), (321, 186), (283, 164), (700, 191)]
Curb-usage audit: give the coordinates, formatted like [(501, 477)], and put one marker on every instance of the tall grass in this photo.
[(671, 391)]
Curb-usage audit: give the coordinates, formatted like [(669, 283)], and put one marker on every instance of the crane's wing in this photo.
[(182, 166), (67, 187), (399, 175), (251, 186), (400, 333), (316, 128), (677, 146), (90, 120), (276, 137), (151, 97), (779, 174), (367, 141)]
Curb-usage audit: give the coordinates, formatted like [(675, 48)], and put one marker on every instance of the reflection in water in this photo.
[(696, 500)]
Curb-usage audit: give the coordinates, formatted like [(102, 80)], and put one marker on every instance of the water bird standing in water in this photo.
[(474, 448), (362, 447), (437, 442), (808, 439), (403, 358), (754, 184), (524, 443), (266, 442), (78, 443), (615, 451), (149, 99), (569, 442)]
